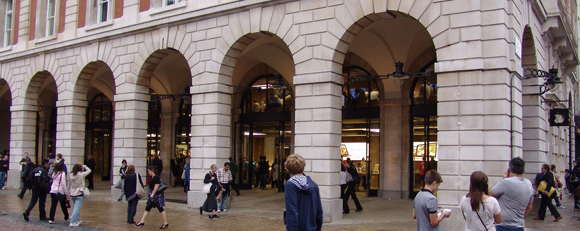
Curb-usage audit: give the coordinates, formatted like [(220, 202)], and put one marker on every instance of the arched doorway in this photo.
[(264, 127), (98, 136), (43, 90), (423, 129), (5, 115)]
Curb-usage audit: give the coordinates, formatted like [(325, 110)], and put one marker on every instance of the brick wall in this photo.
[(82, 15), (144, 5), (118, 8), (32, 22), (61, 15)]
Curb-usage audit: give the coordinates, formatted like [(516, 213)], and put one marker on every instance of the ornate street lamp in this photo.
[(551, 80)]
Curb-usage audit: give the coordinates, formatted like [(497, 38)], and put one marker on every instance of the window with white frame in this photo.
[(8, 23), (170, 2), (50, 17), (103, 10)]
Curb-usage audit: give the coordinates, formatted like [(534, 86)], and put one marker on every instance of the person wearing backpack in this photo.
[(351, 190), (40, 184), (28, 168)]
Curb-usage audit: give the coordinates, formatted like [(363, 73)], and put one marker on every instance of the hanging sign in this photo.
[(559, 117)]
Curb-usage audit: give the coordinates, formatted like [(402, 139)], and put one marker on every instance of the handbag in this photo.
[(162, 186), (139, 189), (153, 202), (60, 197), (183, 175), (67, 202), (86, 192), (205, 188), (558, 182)]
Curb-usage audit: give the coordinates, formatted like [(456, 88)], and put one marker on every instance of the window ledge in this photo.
[(4, 49), (46, 39), (163, 9), (99, 25)]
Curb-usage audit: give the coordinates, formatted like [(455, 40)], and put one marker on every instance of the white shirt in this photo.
[(472, 222)]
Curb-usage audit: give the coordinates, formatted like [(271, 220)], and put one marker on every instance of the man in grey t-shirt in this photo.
[(514, 194), (425, 204)]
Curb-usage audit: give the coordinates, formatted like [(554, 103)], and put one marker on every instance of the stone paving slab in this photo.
[(252, 210)]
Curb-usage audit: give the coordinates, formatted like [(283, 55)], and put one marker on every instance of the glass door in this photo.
[(243, 155), (424, 150), (360, 143)]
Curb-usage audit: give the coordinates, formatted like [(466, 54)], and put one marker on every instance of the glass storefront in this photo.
[(98, 136), (424, 147), (263, 129), (153, 129), (360, 139), (183, 131)]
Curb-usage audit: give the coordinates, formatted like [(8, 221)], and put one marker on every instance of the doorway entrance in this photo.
[(264, 130), (98, 134)]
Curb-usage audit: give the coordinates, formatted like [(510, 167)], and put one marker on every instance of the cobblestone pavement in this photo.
[(253, 210)]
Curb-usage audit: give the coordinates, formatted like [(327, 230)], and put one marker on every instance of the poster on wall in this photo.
[(354, 151)]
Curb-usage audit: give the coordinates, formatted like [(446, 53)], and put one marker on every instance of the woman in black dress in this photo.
[(210, 204), (156, 199)]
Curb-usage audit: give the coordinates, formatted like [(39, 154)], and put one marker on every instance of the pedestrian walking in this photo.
[(3, 169), (24, 162), (558, 186), (234, 170), (77, 191), (351, 187), (480, 211), (130, 191), (425, 204), (575, 182), (224, 178), (40, 185), (26, 184), (210, 204), (90, 162), (157, 163), (175, 170), (156, 199), (302, 198), (343, 186), (186, 179), (60, 159), (51, 162), (58, 192), (515, 196), (121, 182), (275, 173), (264, 169), (546, 199)]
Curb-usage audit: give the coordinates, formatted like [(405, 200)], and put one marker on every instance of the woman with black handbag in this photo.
[(479, 210), (130, 184), (58, 192), (156, 198), (210, 204)]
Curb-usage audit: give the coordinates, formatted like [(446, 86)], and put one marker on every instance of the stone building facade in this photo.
[(83, 77)]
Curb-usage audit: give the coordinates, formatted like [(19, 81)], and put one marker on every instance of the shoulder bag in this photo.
[(183, 174), (138, 188), (162, 186), (206, 187)]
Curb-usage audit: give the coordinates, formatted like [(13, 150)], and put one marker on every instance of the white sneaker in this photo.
[(218, 211), (225, 210), (74, 224), (50, 221)]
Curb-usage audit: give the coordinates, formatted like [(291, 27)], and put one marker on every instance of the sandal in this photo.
[(164, 226)]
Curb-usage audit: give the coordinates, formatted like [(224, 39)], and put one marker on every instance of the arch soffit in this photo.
[(98, 75), (529, 54), (354, 16)]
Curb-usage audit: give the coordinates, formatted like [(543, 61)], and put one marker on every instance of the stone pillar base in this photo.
[(453, 222), (195, 199), (391, 194), (332, 210), (13, 180)]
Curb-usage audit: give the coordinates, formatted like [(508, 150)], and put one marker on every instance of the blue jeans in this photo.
[(2, 178), (557, 200), (222, 204), (508, 228), (78, 201), (132, 209)]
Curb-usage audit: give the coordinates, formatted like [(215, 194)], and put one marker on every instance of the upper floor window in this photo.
[(103, 10), (50, 16), (170, 2), (8, 23)]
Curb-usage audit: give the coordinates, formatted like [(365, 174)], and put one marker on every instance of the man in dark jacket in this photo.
[(264, 169), (157, 163), (575, 177), (40, 187), (90, 162), (303, 205), (546, 201)]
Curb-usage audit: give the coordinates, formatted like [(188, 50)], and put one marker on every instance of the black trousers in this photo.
[(90, 178), (21, 194), (547, 202), (345, 208), (41, 198), (351, 192), (53, 205), (233, 185)]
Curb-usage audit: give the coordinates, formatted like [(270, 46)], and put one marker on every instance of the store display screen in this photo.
[(354, 151)]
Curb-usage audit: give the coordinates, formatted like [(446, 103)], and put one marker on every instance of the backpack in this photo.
[(27, 170), (37, 182)]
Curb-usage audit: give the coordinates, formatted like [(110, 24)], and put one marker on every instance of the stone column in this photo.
[(210, 134), (393, 177), (130, 135), (70, 130), (317, 136), (22, 139), (535, 127), (474, 131)]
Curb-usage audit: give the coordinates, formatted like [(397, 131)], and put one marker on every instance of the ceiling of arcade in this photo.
[(400, 38)]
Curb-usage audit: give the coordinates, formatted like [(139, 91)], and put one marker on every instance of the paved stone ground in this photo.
[(253, 210)]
